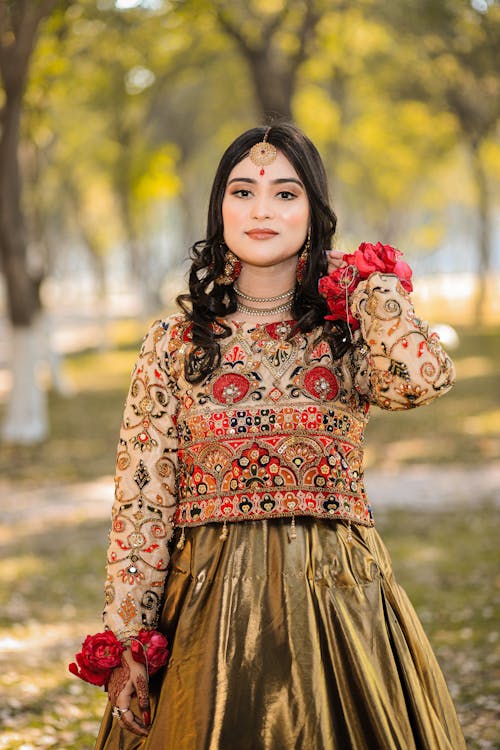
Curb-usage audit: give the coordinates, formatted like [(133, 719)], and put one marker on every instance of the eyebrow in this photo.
[(279, 181)]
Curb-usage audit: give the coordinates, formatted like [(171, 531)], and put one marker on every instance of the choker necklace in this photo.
[(285, 295), (264, 311)]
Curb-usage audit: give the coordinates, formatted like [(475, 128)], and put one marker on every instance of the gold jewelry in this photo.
[(300, 270), (347, 276), (263, 311), (263, 153), (241, 294), (118, 712), (232, 269)]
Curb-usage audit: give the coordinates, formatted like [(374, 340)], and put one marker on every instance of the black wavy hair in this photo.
[(208, 300)]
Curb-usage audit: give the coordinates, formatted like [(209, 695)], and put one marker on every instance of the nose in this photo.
[(262, 208)]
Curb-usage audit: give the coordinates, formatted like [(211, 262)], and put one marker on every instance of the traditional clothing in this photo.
[(241, 528)]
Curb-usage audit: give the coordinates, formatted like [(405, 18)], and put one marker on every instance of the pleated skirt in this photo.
[(304, 644)]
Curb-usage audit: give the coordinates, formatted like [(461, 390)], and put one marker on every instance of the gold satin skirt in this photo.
[(307, 644)]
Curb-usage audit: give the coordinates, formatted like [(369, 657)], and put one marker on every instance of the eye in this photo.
[(242, 193), (287, 195)]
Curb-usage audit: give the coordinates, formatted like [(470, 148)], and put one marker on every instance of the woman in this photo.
[(241, 528)]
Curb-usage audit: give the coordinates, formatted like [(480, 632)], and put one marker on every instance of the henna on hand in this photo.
[(134, 725), (121, 687), (120, 676), (143, 698)]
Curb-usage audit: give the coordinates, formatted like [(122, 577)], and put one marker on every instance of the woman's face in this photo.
[(266, 217)]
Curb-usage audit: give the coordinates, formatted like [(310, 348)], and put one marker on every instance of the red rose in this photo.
[(404, 272), (99, 655), (367, 259), (338, 311), (370, 258), (150, 645), (333, 288)]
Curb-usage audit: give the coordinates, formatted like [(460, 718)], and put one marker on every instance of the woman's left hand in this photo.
[(335, 260), (127, 680)]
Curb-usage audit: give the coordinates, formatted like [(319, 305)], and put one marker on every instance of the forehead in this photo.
[(280, 168)]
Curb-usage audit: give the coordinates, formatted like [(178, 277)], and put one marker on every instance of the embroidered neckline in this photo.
[(253, 326)]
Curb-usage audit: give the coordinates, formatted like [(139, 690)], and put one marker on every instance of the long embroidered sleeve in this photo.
[(145, 493), (399, 362)]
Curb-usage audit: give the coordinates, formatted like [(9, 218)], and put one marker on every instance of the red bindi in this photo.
[(262, 171)]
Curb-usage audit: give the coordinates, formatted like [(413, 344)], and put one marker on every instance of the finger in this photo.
[(333, 264), (118, 682), (142, 690), (131, 722), (335, 260)]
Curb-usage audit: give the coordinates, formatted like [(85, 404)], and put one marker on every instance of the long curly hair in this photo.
[(208, 300)]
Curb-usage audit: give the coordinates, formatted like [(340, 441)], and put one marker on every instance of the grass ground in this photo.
[(51, 577)]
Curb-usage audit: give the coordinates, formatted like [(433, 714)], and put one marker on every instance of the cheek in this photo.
[(297, 216), (231, 215)]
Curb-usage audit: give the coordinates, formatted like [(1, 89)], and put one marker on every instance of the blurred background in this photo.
[(114, 115)]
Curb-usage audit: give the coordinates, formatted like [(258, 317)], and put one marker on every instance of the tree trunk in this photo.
[(484, 244), (22, 290), (273, 71), (273, 86), (136, 252), (26, 420)]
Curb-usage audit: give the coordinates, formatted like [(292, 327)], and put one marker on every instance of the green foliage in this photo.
[(128, 110)]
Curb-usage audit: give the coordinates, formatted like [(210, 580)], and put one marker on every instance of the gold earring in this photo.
[(232, 269), (300, 271)]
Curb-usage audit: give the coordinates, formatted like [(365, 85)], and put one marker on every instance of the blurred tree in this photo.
[(452, 62), (26, 419), (383, 155), (274, 39), (133, 78), (133, 178), (380, 154), (126, 115), (119, 66)]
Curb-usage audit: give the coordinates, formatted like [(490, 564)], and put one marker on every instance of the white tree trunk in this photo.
[(26, 419), (53, 358)]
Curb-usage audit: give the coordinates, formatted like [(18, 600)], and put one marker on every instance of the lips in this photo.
[(261, 234)]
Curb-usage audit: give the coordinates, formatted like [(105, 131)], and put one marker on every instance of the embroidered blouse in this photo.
[(276, 430)]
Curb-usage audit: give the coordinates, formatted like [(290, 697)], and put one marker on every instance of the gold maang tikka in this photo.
[(263, 153)]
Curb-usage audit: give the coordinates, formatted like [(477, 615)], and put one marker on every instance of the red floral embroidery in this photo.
[(278, 331), (255, 468), (321, 383), (230, 388), (130, 575), (186, 332)]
